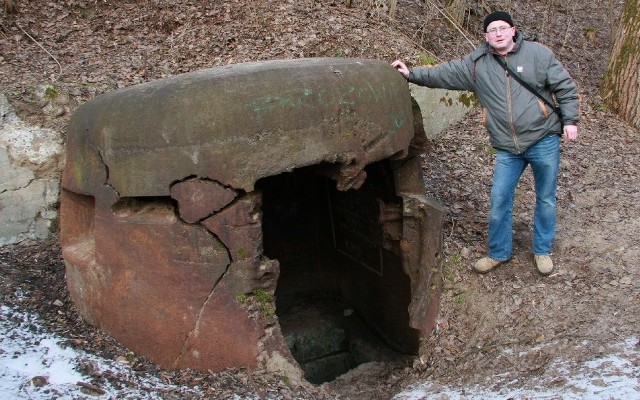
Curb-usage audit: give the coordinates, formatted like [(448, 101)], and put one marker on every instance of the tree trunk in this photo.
[(621, 84)]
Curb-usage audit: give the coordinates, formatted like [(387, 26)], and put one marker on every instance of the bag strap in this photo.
[(527, 86)]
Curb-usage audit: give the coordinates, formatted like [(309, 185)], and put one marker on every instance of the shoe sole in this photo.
[(546, 273)]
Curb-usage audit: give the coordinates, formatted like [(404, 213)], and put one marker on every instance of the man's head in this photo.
[(497, 16), (499, 31)]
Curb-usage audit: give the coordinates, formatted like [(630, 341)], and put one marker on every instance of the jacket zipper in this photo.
[(512, 129)]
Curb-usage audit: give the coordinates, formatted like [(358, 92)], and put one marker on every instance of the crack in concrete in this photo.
[(21, 187), (198, 322), (240, 193), (106, 167)]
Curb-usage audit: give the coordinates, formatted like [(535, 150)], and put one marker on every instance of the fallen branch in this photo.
[(42, 47)]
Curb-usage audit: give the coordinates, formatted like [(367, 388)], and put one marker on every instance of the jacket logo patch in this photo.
[(519, 69)]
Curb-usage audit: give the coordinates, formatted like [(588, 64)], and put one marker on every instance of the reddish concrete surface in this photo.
[(161, 227)]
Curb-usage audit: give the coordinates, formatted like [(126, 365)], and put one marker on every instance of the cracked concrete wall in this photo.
[(441, 108), (30, 165), (161, 227)]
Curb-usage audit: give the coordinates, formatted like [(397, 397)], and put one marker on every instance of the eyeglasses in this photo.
[(500, 29)]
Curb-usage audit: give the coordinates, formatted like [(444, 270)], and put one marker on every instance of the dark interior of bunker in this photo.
[(342, 297)]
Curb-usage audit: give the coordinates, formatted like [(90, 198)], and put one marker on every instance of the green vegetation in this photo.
[(262, 299), (486, 147), (266, 302), (468, 99), (242, 298), (451, 264), (242, 254), (599, 106), (426, 59), (50, 92)]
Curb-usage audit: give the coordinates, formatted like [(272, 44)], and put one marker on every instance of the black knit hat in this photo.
[(497, 16)]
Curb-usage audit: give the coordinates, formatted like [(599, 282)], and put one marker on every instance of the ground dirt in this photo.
[(511, 322)]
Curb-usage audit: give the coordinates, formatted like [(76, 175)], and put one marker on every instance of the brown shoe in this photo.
[(486, 264), (544, 264)]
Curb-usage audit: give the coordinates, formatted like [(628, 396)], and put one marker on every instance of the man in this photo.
[(522, 128)]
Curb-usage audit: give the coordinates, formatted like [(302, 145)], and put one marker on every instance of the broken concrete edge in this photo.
[(30, 164), (421, 216), (222, 218), (273, 353), (256, 299), (35, 148), (426, 213), (441, 107), (274, 356), (190, 193)]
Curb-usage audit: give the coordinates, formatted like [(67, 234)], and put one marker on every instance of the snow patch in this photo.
[(36, 365), (612, 376)]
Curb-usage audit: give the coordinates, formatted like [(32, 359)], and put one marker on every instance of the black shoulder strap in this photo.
[(526, 85)]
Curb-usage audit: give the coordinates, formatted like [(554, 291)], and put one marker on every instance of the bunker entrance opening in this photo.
[(342, 296)]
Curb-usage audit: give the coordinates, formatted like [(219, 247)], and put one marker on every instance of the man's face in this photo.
[(499, 35)]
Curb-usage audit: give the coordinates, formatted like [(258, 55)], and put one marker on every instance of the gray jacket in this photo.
[(514, 117)]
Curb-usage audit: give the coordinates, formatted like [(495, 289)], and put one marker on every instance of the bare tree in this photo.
[(621, 84)]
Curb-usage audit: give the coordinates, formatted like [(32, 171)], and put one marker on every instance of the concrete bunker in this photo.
[(268, 213)]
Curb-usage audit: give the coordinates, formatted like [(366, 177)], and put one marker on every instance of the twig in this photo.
[(253, 383), (568, 25), (96, 389), (482, 349), (453, 226), (415, 44), (393, 21), (42, 47), (473, 46), (311, 396)]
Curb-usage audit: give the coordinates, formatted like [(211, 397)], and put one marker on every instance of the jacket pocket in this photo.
[(543, 109)]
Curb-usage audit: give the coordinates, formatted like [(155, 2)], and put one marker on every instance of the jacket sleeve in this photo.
[(565, 91), (453, 75)]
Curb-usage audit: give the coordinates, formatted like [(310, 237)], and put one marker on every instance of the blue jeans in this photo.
[(544, 158)]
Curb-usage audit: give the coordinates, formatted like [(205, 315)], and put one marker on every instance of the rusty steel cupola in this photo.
[(224, 217)]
